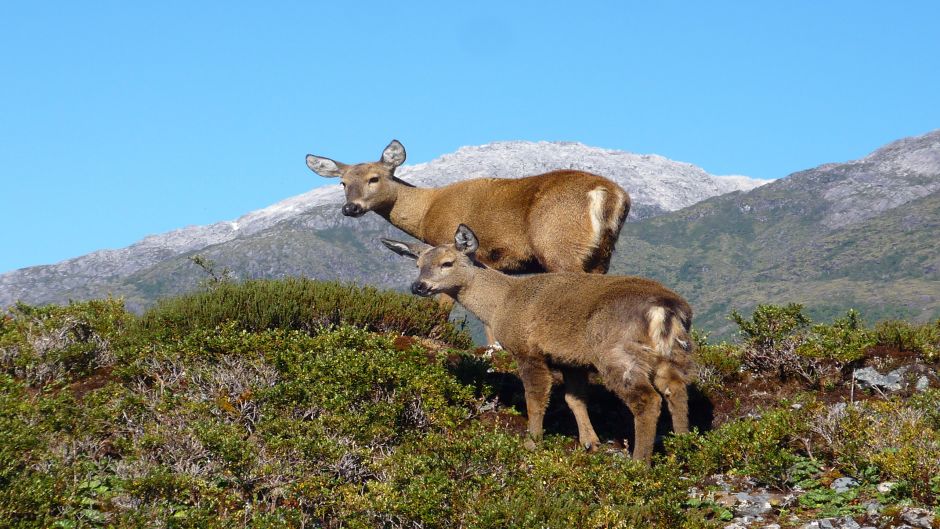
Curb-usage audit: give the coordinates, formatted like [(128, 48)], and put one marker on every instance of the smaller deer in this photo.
[(633, 331)]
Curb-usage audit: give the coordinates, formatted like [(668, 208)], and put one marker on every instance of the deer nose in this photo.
[(351, 209), (420, 288)]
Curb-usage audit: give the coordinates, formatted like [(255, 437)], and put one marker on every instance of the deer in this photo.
[(634, 332), (564, 220)]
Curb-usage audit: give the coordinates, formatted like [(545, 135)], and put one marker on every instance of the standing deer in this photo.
[(633, 331), (558, 221)]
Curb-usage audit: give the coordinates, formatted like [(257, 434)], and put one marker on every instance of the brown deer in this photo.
[(633, 331), (557, 221)]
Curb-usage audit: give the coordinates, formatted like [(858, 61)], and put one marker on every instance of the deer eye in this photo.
[(374, 180), (448, 264)]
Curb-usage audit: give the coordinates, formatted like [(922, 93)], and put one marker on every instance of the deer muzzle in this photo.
[(351, 209), (420, 288)]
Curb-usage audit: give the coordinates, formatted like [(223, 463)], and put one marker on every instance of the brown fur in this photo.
[(536, 223), (633, 331)]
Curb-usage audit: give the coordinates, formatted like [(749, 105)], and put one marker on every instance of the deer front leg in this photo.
[(537, 381), (445, 302), (576, 390)]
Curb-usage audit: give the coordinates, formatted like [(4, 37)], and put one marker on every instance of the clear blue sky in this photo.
[(119, 119)]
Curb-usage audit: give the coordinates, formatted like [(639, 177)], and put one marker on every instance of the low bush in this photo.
[(924, 340), (57, 343), (784, 342), (301, 304), (762, 447), (221, 421)]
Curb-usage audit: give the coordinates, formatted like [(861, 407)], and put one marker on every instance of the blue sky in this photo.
[(122, 119)]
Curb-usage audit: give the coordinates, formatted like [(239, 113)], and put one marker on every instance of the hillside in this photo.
[(306, 235), (304, 404), (860, 234)]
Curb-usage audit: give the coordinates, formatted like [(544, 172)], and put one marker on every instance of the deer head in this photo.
[(369, 186), (441, 269)]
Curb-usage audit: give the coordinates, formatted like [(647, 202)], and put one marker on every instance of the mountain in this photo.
[(307, 235), (860, 234)]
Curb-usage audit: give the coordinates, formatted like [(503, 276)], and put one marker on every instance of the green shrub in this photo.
[(921, 339), (762, 447), (301, 304), (771, 325), (783, 342), (845, 340), (716, 365), (59, 343)]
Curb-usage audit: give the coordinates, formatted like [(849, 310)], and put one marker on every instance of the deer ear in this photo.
[(394, 154), (465, 240), (324, 166), (404, 249)]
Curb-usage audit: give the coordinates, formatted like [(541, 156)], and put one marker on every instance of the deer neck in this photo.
[(408, 209), (485, 293)]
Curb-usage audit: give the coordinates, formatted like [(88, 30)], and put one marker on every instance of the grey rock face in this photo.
[(892, 175), (922, 383), (869, 377), (918, 517), (833, 523), (843, 484)]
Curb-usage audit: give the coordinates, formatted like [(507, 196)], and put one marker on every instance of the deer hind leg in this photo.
[(446, 303), (671, 382), (537, 381), (576, 389), (626, 372)]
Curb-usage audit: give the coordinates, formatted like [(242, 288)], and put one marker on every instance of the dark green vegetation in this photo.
[(300, 304), (240, 406)]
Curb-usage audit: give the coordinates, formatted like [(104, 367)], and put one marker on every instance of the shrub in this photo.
[(301, 304), (763, 447), (894, 440), (60, 343), (784, 342), (844, 341), (716, 365), (921, 339)]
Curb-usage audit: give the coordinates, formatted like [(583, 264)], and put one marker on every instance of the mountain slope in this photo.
[(860, 234), (306, 235)]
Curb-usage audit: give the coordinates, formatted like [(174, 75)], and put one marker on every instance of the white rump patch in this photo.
[(596, 198), (657, 317)]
